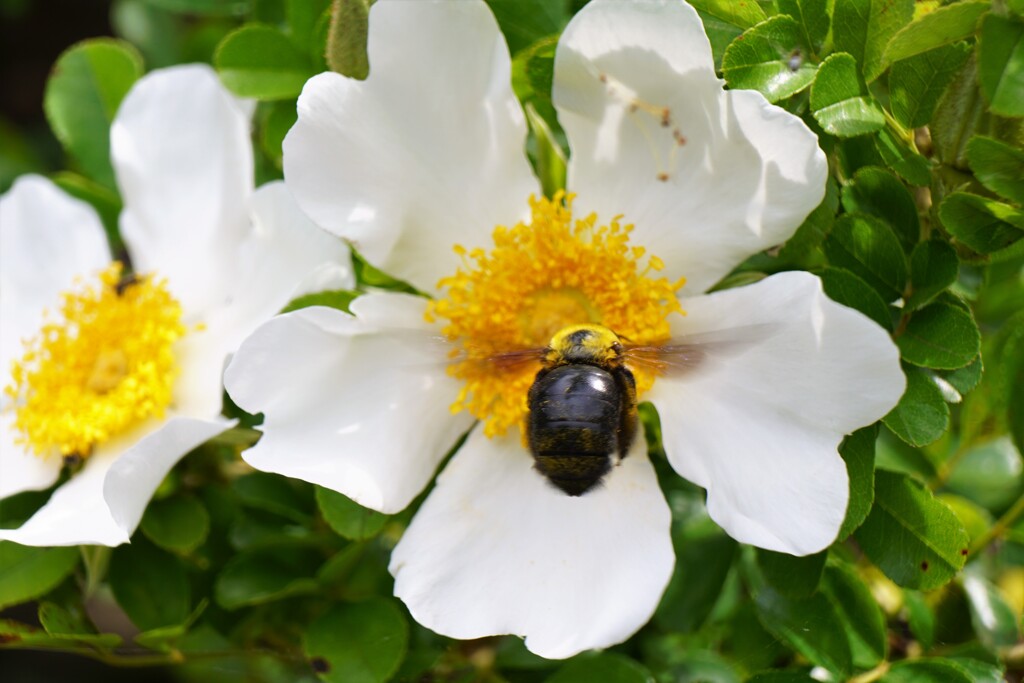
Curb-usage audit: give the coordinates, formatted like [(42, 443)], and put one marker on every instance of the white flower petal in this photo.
[(47, 239), (284, 255), (358, 404), (496, 549), (181, 149), (134, 477), (746, 175), (759, 428), (103, 503), (20, 470), (425, 153)]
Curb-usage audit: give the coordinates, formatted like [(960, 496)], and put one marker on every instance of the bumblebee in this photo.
[(582, 408)]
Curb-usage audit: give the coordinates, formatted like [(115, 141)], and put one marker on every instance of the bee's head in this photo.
[(589, 344)]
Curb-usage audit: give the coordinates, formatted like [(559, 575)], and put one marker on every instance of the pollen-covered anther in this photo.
[(103, 363), (541, 276)]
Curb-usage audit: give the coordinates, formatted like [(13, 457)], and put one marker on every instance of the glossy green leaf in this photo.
[(917, 83), (898, 156), (868, 248), (858, 452), (179, 524), (1001, 64), (550, 159), (27, 572), (961, 111), (348, 518), (935, 29), (742, 14), (335, 298), (763, 60), (812, 19), (926, 671), (861, 617), (346, 38), (276, 119), (920, 617), (997, 166), (83, 93), (922, 415), (979, 671), (940, 336), (263, 63), (809, 625), (303, 19), (966, 378), (286, 497), (267, 574), (704, 555), (804, 246), (976, 519), (209, 7), (916, 540), (933, 268), (358, 643), (863, 29), (605, 666), (839, 104), (846, 288), (991, 474), (60, 623), (795, 577), (781, 677), (983, 224), (524, 22), (878, 192), (150, 584)]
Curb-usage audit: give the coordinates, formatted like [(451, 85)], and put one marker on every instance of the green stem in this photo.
[(873, 675), (999, 528), (897, 128)]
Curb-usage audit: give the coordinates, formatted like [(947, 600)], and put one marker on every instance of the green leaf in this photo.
[(941, 336), (1001, 64), (276, 120), (358, 643), (997, 166), (335, 298), (922, 415), (935, 29), (983, 224), (303, 17), (261, 62), (704, 555), (960, 112), (837, 100), (781, 677), (267, 574), (934, 266), (920, 618), (348, 518), (809, 625), (966, 378), (916, 540), (976, 519), (524, 22), (150, 585), (979, 671), (794, 577), (861, 617), (83, 93), (27, 572), (550, 159), (917, 83), (926, 671), (286, 497), (208, 7), (868, 248), (863, 29), (844, 287), (762, 60), (812, 18), (178, 524), (907, 164), (991, 474), (346, 38), (742, 14), (60, 623), (858, 452), (878, 192), (607, 667), (106, 202)]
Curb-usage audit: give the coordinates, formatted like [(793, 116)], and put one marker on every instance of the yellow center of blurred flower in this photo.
[(103, 365), (542, 276)]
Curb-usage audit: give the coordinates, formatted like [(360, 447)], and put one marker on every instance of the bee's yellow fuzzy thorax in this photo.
[(594, 344), (542, 276), (104, 365)]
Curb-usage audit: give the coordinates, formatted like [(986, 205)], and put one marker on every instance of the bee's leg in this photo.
[(628, 418)]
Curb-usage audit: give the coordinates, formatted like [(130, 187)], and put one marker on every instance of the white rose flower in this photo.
[(427, 154), (125, 373)]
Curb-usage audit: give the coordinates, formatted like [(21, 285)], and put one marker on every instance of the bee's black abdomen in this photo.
[(574, 425)]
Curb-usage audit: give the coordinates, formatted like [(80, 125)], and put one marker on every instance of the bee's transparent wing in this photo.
[(686, 353)]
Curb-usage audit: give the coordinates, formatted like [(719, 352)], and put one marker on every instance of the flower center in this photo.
[(104, 364), (539, 278)]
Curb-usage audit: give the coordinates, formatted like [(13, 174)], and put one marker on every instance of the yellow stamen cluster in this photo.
[(540, 277), (105, 364)]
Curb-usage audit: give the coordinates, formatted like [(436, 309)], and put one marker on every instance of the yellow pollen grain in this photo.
[(541, 276), (104, 363)]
